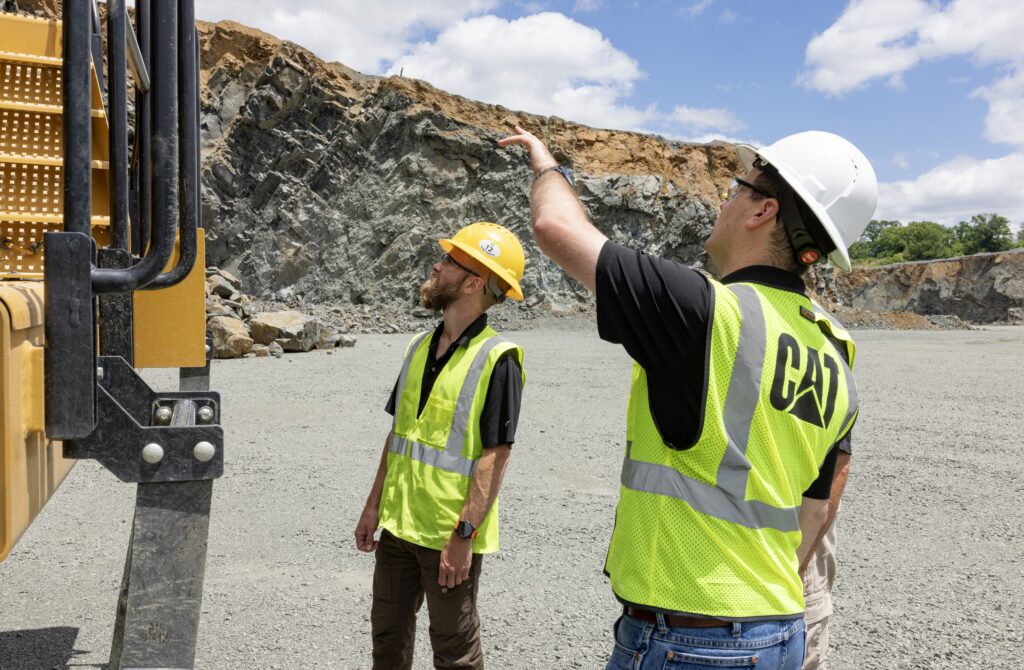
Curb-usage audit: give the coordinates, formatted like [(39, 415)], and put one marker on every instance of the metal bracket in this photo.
[(127, 443)]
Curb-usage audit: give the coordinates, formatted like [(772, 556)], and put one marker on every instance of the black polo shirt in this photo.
[(660, 312), (500, 413)]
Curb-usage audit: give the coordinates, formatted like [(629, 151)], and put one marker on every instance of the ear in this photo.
[(473, 284), (766, 213)]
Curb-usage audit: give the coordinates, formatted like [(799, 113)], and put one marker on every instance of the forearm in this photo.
[(562, 229), (813, 517), (485, 484), (373, 500), (842, 473)]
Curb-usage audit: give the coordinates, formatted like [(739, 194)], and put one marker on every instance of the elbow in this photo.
[(545, 231)]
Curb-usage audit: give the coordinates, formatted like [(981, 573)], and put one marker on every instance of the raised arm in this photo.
[(560, 225)]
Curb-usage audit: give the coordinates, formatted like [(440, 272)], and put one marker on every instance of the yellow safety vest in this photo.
[(432, 456), (713, 530)]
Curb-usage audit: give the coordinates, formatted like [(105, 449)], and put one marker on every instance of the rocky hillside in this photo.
[(983, 288), (324, 184)]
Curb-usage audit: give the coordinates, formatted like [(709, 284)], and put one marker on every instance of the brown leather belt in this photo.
[(676, 620)]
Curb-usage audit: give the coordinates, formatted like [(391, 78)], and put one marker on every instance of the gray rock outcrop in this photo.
[(983, 288), (333, 187)]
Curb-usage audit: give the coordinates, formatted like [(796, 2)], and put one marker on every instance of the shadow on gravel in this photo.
[(41, 648)]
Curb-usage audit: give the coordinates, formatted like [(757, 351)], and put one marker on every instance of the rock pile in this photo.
[(241, 329)]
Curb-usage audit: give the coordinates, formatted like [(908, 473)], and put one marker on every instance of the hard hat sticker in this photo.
[(490, 248)]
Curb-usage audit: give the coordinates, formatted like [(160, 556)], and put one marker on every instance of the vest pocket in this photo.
[(435, 422)]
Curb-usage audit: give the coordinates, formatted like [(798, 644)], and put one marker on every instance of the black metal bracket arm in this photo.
[(145, 436)]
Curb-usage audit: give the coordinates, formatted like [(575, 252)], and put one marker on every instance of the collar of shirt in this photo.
[(769, 276), (471, 331)]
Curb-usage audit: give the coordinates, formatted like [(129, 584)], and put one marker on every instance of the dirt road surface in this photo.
[(931, 542)]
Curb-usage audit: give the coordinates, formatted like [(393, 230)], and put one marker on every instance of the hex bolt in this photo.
[(99, 372), (163, 414), (203, 451), (152, 453), (205, 414)]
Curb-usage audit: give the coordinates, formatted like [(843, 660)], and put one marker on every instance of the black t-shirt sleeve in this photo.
[(660, 312), (821, 489), (391, 407), (500, 414)]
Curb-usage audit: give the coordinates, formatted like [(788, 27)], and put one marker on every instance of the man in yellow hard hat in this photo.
[(435, 497), (742, 394)]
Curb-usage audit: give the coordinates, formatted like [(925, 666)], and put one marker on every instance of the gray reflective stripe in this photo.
[(405, 373), (705, 498), (449, 462), (460, 422), (744, 392), (450, 458)]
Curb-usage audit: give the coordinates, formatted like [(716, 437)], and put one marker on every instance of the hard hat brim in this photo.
[(515, 291), (747, 154)]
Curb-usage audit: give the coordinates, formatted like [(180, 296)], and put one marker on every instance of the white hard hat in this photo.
[(831, 176)]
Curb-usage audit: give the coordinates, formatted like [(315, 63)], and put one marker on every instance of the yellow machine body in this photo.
[(170, 324), (31, 466)]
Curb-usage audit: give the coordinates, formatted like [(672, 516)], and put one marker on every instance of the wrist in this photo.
[(560, 169), (465, 530)]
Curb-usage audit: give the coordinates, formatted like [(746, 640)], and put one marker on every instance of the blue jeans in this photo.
[(765, 645)]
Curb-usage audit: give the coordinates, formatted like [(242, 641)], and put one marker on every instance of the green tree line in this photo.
[(886, 242)]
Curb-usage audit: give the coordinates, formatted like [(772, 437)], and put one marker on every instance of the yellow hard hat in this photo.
[(496, 248)]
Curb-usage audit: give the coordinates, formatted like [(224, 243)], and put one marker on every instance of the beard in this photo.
[(437, 296)]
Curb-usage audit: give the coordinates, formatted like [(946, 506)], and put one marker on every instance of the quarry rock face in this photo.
[(983, 288), (334, 186)]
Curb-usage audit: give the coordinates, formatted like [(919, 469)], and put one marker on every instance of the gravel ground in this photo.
[(931, 543)]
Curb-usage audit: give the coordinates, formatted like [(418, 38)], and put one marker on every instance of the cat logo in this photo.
[(490, 248), (813, 398)]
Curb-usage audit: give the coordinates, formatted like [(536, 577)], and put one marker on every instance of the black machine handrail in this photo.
[(117, 92), (174, 160), (188, 155), (165, 162)]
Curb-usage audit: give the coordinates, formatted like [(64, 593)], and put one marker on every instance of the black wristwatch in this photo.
[(560, 169), (465, 530)]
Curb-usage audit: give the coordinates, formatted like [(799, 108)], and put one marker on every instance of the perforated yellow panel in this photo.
[(31, 135), (30, 85), (31, 146)]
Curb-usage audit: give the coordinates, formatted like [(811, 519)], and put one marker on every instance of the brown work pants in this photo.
[(404, 572)]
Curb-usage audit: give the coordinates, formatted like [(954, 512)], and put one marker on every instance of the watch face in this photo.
[(465, 530)]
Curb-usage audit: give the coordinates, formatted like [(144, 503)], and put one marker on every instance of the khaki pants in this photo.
[(404, 573), (816, 654)]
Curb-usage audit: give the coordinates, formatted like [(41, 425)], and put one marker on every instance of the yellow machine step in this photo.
[(31, 146)]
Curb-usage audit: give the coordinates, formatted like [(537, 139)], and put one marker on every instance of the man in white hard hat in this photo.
[(435, 497), (742, 390)]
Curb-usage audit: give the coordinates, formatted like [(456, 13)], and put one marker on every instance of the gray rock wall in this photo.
[(336, 189), (983, 288)]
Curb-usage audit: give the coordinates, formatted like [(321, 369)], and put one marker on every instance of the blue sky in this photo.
[(931, 91)]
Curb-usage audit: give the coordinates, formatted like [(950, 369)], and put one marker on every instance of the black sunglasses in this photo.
[(447, 258), (738, 183)]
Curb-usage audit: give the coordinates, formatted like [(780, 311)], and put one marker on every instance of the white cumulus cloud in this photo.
[(881, 40), (956, 190), (365, 36)]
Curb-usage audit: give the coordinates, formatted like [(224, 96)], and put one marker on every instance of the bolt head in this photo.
[(163, 414), (204, 451), (205, 414), (152, 453), (99, 372)]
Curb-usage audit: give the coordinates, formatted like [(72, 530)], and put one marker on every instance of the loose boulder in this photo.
[(230, 337), (292, 330)]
